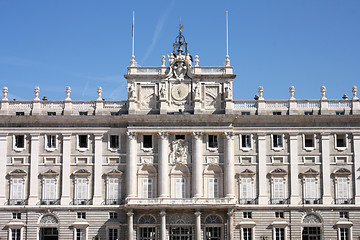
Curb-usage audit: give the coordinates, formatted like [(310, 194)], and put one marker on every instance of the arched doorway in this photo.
[(311, 227), (48, 228)]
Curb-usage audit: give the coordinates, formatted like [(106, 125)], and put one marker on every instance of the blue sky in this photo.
[(86, 44)]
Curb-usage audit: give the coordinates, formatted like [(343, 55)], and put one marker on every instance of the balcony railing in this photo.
[(344, 201), (82, 202), (114, 201), (279, 201), (248, 201), (180, 201), (50, 202), (312, 201), (18, 202)]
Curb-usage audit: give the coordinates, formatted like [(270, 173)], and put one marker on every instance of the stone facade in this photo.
[(180, 159)]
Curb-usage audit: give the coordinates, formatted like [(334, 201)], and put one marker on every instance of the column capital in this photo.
[(197, 135), (325, 135), (130, 213), (131, 135), (229, 135), (163, 135), (98, 136), (197, 213), (35, 136), (293, 134), (3, 136), (356, 136), (162, 212), (66, 136), (230, 212)]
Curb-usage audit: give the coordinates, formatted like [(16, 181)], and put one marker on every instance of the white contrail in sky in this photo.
[(158, 30)]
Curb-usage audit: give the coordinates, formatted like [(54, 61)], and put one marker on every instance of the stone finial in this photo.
[(292, 91), (163, 61), (197, 60), (37, 91), (99, 91), (5, 92), (132, 61), (68, 91), (227, 61), (354, 91), (323, 91), (345, 97), (261, 91)]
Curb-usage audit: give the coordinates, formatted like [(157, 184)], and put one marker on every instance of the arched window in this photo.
[(180, 186), (147, 228), (147, 181), (213, 181)]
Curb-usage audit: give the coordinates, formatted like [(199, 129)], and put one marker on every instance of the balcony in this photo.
[(50, 202), (248, 201), (18, 202), (344, 201), (181, 201), (312, 201), (114, 201), (82, 202), (279, 201)]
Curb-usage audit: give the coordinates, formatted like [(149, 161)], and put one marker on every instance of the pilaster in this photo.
[(263, 184), (98, 182), (294, 171), (356, 141), (163, 179), (131, 165), (230, 229), (163, 225), (34, 169), (325, 163), (197, 165), (3, 154), (229, 168), (130, 215), (198, 224), (65, 173)]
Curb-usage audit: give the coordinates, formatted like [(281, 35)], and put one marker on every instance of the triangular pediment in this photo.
[(342, 171), (18, 172)]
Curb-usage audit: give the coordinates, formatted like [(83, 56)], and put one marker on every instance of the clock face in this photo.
[(179, 92)]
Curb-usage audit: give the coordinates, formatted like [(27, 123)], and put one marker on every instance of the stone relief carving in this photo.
[(180, 65), (131, 91), (148, 97), (162, 91), (48, 219), (212, 96), (147, 160), (179, 152), (311, 218), (179, 219), (228, 91), (147, 219), (197, 89), (212, 160)]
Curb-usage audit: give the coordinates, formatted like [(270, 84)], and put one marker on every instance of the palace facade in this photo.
[(180, 159)]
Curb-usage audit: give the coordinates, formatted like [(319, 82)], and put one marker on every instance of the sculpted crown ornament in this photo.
[(179, 152)]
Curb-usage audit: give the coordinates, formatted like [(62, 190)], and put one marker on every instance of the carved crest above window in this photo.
[(179, 154), (48, 219)]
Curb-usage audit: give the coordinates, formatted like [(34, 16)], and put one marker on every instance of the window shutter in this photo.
[(342, 188), (49, 189), (310, 188), (279, 188), (179, 188), (82, 188), (17, 189), (150, 188), (113, 189), (246, 188), (211, 187)]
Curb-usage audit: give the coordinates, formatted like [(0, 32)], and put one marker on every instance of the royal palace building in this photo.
[(180, 160)]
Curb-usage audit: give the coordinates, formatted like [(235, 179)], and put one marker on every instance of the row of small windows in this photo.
[(147, 141), (276, 113)]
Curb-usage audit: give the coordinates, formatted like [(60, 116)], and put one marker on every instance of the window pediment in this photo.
[(342, 171), (18, 173), (114, 173), (82, 172), (50, 173), (278, 171), (310, 172)]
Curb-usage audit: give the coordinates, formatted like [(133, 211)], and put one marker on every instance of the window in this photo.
[(83, 113), (49, 191), (19, 142), (16, 215), (20, 114), (177, 137), (81, 191), (82, 141), (340, 141), (80, 234), (246, 160), (279, 233), (310, 190), (245, 113), (213, 188), (113, 191), (179, 188), (246, 141), (276, 113), (247, 190), (113, 234), (114, 113), (309, 141), (342, 190), (16, 234), (113, 215), (147, 188), (277, 141), (247, 214), (114, 142), (246, 233), (213, 141), (308, 113), (344, 234), (213, 233), (340, 113), (147, 233), (51, 113), (81, 215), (50, 142), (17, 190), (278, 191), (147, 141), (344, 215), (279, 214)]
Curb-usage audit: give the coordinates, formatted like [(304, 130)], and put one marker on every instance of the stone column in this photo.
[(356, 160), (98, 182), (263, 183), (130, 215), (65, 172), (197, 165), (198, 225), (163, 225), (294, 171), (3, 161), (34, 169), (131, 181), (229, 167), (230, 229), (325, 163), (163, 179)]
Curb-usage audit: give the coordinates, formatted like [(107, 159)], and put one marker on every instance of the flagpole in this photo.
[(133, 35), (227, 34)]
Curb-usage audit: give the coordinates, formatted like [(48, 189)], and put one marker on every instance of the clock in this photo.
[(179, 92)]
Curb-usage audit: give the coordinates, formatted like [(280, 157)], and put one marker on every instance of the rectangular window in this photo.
[(179, 188), (247, 214), (16, 234), (344, 234), (147, 188), (245, 141), (49, 190), (308, 113), (245, 113), (213, 188), (113, 215), (149, 233), (310, 191), (83, 141), (19, 141), (50, 141), (51, 113), (276, 113), (344, 215), (279, 214), (114, 141), (247, 189), (17, 189), (177, 137), (340, 113), (147, 141), (278, 194), (81, 190), (16, 215), (80, 234), (279, 233), (340, 140), (83, 113), (309, 141), (213, 141), (113, 234), (113, 193), (20, 114), (213, 233), (247, 233), (277, 141), (342, 193), (81, 215)]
